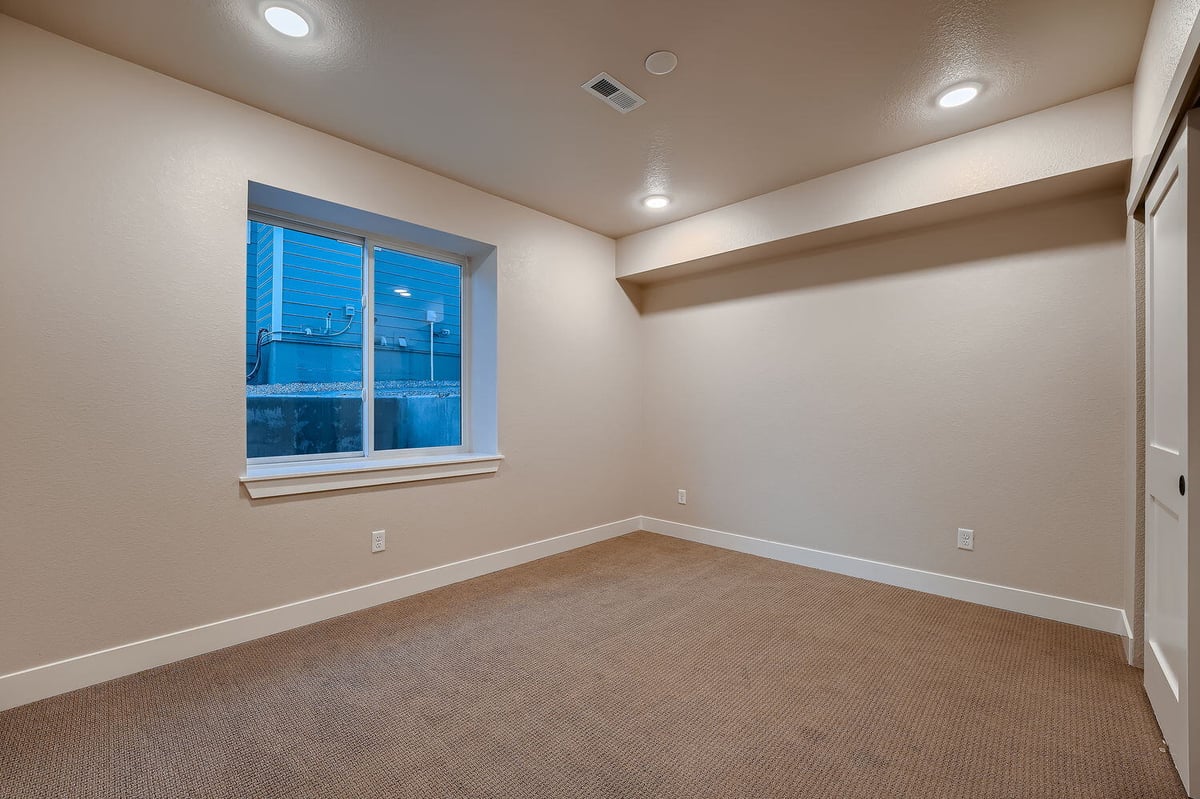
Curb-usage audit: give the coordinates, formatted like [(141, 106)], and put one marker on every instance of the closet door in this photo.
[(1172, 576)]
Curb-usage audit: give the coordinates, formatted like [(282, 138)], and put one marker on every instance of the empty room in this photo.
[(665, 399)]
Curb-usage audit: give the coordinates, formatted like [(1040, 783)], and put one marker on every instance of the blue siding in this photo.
[(434, 286), (259, 262), (251, 296), (298, 283), (264, 259), (320, 278)]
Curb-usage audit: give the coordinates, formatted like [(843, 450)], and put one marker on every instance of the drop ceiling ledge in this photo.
[(1077, 147)]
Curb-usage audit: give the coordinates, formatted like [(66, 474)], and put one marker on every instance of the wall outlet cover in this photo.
[(966, 538)]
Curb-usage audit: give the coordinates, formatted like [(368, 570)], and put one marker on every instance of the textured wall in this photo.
[(1135, 545), (123, 236), (1170, 25), (865, 400), (869, 400)]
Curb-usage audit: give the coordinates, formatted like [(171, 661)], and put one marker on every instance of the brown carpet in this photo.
[(639, 667)]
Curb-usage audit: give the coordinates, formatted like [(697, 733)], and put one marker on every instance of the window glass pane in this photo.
[(304, 347), (418, 351)]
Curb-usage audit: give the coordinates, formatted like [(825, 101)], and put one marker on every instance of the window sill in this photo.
[(279, 480)]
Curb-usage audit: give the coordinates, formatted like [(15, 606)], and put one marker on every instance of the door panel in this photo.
[(1169, 252)]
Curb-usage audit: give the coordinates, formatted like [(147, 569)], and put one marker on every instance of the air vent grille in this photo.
[(604, 87), (614, 93)]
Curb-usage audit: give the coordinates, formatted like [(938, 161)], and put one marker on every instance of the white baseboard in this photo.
[(1130, 648), (1047, 606), (39, 682)]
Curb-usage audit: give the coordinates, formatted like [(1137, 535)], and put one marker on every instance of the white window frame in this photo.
[(292, 474)]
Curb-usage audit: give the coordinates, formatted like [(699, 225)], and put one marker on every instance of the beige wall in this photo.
[(870, 400), (122, 208), (1170, 25), (1084, 143), (866, 400), (1135, 542)]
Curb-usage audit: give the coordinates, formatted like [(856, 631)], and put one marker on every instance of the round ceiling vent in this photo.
[(661, 63)]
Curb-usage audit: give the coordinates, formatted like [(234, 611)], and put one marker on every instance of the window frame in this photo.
[(369, 457)]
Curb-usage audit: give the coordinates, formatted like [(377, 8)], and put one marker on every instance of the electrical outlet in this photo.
[(378, 541), (681, 496), (350, 310), (966, 538)]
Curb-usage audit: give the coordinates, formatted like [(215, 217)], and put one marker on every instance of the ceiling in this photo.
[(767, 92)]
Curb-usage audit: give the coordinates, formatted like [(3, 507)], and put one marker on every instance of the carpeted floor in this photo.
[(639, 667)]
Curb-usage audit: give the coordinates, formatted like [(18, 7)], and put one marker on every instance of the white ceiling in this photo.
[(767, 92)]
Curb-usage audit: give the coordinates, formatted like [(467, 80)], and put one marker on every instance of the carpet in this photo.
[(642, 666)]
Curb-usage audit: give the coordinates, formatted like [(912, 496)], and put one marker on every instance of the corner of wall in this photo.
[(1135, 543)]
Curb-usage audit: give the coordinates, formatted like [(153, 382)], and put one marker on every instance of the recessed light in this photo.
[(286, 21), (656, 201), (960, 94)]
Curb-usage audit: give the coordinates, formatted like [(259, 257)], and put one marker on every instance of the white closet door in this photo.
[(1172, 577)]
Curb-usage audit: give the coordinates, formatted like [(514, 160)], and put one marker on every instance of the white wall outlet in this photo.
[(966, 538), (378, 541), (681, 496)]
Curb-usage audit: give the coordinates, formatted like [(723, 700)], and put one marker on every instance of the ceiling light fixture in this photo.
[(656, 201), (959, 94), (403, 292), (286, 21)]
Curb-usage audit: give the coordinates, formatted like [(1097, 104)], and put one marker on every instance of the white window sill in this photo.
[(283, 479)]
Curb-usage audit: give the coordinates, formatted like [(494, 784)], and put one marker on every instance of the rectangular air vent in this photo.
[(607, 88)]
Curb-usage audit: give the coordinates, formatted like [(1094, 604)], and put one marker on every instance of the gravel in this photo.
[(383, 388)]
